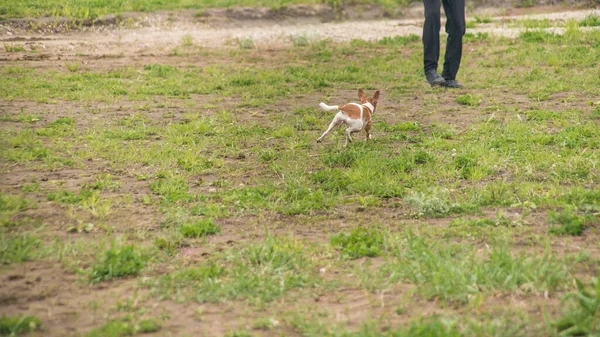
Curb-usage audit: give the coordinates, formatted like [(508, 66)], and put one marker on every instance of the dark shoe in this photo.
[(434, 79), (453, 84)]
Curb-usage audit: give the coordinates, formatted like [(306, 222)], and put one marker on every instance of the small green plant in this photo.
[(73, 67), (239, 333), (469, 99), (17, 248), (245, 43), (265, 323), (187, 40), (300, 41), (581, 315), (483, 19), (117, 262), (148, 325), (360, 242), (17, 325), (569, 223), (596, 112), (199, 228), (13, 48), (125, 327)]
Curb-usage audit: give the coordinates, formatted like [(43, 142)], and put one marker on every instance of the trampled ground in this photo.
[(165, 180)]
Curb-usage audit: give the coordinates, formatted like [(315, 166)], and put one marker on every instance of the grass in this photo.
[(199, 228), (18, 325), (360, 242), (18, 248), (464, 203), (117, 262), (580, 315), (125, 327)]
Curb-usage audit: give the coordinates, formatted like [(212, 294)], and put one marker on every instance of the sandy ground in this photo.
[(160, 33)]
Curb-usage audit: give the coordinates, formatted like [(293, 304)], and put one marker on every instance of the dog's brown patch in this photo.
[(353, 111)]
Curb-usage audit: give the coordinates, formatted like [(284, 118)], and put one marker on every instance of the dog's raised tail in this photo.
[(328, 107)]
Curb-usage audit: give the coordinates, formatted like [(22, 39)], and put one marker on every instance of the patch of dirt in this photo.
[(55, 296)]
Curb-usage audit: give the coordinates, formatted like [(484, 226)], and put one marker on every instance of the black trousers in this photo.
[(455, 27)]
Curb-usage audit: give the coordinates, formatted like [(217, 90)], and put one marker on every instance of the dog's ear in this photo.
[(376, 96), (361, 95)]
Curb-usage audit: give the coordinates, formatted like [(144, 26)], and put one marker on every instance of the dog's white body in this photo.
[(356, 116)]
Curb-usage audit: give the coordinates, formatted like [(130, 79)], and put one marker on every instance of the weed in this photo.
[(187, 41), (17, 248), (570, 223), (199, 228), (72, 67), (117, 262), (260, 273), (125, 327), (469, 99), (590, 21), (245, 43), (172, 190), (360, 242), (300, 41), (17, 325), (13, 48), (581, 316)]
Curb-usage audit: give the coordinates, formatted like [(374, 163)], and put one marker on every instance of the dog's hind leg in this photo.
[(349, 132), (334, 122)]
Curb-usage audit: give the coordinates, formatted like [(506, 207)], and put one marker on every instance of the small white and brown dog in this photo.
[(356, 116)]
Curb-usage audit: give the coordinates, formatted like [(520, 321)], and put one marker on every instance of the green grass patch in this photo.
[(360, 242), (580, 316), (566, 222), (18, 325), (16, 248), (117, 262), (260, 272), (125, 327), (200, 228)]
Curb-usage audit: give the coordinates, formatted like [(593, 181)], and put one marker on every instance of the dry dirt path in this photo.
[(161, 35)]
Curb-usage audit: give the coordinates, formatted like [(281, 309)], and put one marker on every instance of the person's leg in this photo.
[(431, 34), (455, 27)]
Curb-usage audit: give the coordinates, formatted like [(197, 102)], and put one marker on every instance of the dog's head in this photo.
[(362, 97)]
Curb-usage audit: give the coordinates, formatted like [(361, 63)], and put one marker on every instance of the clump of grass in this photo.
[(259, 273), (596, 113), (479, 36), (453, 272), (569, 223), (360, 242), (469, 99), (581, 316), (17, 248), (300, 41), (187, 41), (433, 204), (245, 43), (591, 20), (398, 40), (199, 228), (483, 19), (13, 48), (72, 67), (16, 325), (117, 262), (125, 327)]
